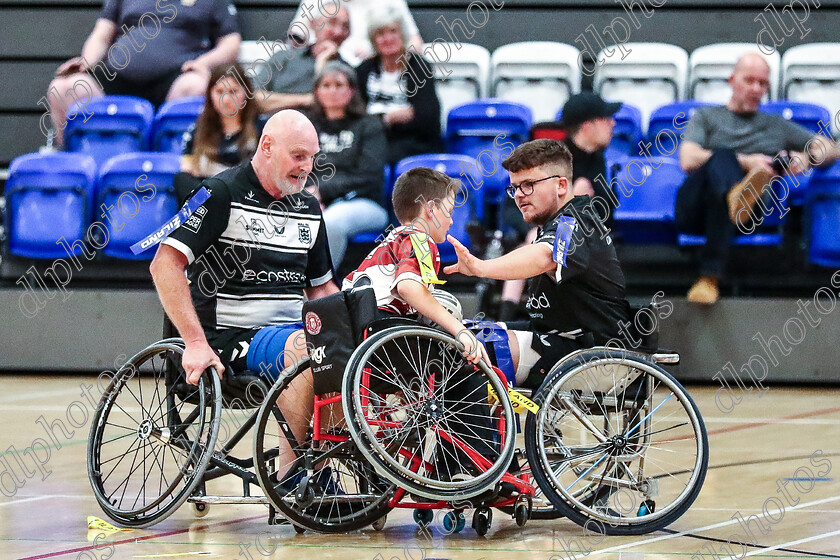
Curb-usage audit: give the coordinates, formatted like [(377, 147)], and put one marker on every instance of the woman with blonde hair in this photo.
[(408, 106)]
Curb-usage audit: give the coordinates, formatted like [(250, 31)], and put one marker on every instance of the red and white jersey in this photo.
[(394, 260)]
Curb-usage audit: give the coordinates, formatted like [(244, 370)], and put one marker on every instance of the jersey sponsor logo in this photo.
[(249, 275), (250, 196), (538, 302), (256, 227), (304, 233), (313, 323), (297, 204), (318, 354)]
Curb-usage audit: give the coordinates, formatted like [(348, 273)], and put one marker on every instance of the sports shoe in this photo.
[(704, 291), (742, 197)]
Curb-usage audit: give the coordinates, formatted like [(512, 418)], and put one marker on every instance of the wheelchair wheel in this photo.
[(421, 414), (325, 485), (618, 445), (152, 436)]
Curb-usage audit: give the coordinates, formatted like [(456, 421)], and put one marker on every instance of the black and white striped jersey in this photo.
[(252, 255)]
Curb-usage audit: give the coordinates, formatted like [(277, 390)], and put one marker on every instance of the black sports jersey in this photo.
[(586, 291), (250, 255)]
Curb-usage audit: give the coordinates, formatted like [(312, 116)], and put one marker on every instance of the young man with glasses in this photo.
[(576, 288)]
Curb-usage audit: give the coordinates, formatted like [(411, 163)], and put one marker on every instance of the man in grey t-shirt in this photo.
[(292, 71), (729, 153)]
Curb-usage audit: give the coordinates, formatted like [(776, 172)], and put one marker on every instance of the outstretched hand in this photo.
[(468, 264)]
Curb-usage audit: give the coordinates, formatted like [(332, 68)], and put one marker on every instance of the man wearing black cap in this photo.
[(589, 123)]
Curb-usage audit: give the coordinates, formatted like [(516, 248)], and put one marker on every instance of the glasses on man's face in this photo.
[(527, 187)]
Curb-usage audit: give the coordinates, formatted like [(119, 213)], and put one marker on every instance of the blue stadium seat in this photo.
[(823, 205), (118, 124), (646, 213), (124, 183), (172, 120), (768, 232), (467, 203), (662, 126), (48, 196), (474, 130), (804, 114)]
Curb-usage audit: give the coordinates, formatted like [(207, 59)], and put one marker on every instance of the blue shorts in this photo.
[(258, 350)]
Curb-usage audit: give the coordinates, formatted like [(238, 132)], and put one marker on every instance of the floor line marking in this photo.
[(775, 547), (749, 425), (706, 528), (23, 500), (143, 538)]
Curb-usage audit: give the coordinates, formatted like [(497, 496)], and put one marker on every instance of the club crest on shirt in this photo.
[(313, 323), (304, 233)]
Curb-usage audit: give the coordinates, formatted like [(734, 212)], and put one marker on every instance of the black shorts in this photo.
[(552, 348), (153, 90)]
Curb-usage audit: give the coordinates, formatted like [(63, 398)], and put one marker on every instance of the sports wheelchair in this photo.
[(155, 441), (611, 441)]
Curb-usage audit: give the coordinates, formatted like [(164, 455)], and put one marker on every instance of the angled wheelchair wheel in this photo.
[(323, 485), (424, 417), (152, 436), (618, 445)]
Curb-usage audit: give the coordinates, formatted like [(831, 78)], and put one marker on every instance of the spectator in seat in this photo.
[(293, 79), (588, 122), (227, 130), (357, 47), (408, 106), (191, 39), (353, 144), (729, 154)]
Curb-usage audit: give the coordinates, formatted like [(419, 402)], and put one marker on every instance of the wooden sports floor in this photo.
[(776, 457)]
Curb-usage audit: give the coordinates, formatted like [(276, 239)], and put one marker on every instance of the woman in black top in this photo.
[(226, 132), (396, 86), (349, 171)]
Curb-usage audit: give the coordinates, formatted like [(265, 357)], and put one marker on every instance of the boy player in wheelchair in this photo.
[(402, 271), (576, 289)]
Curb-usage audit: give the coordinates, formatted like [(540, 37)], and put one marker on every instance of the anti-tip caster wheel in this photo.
[(482, 520), (454, 522), (298, 529), (379, 524), (647, 507), (521, 515), (423, 517), (200, 509)]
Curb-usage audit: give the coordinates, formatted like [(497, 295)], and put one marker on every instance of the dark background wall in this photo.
[(39, 34)]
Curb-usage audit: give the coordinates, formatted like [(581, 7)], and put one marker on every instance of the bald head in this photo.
[(285, 153), (751, 62), (750, 81)]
